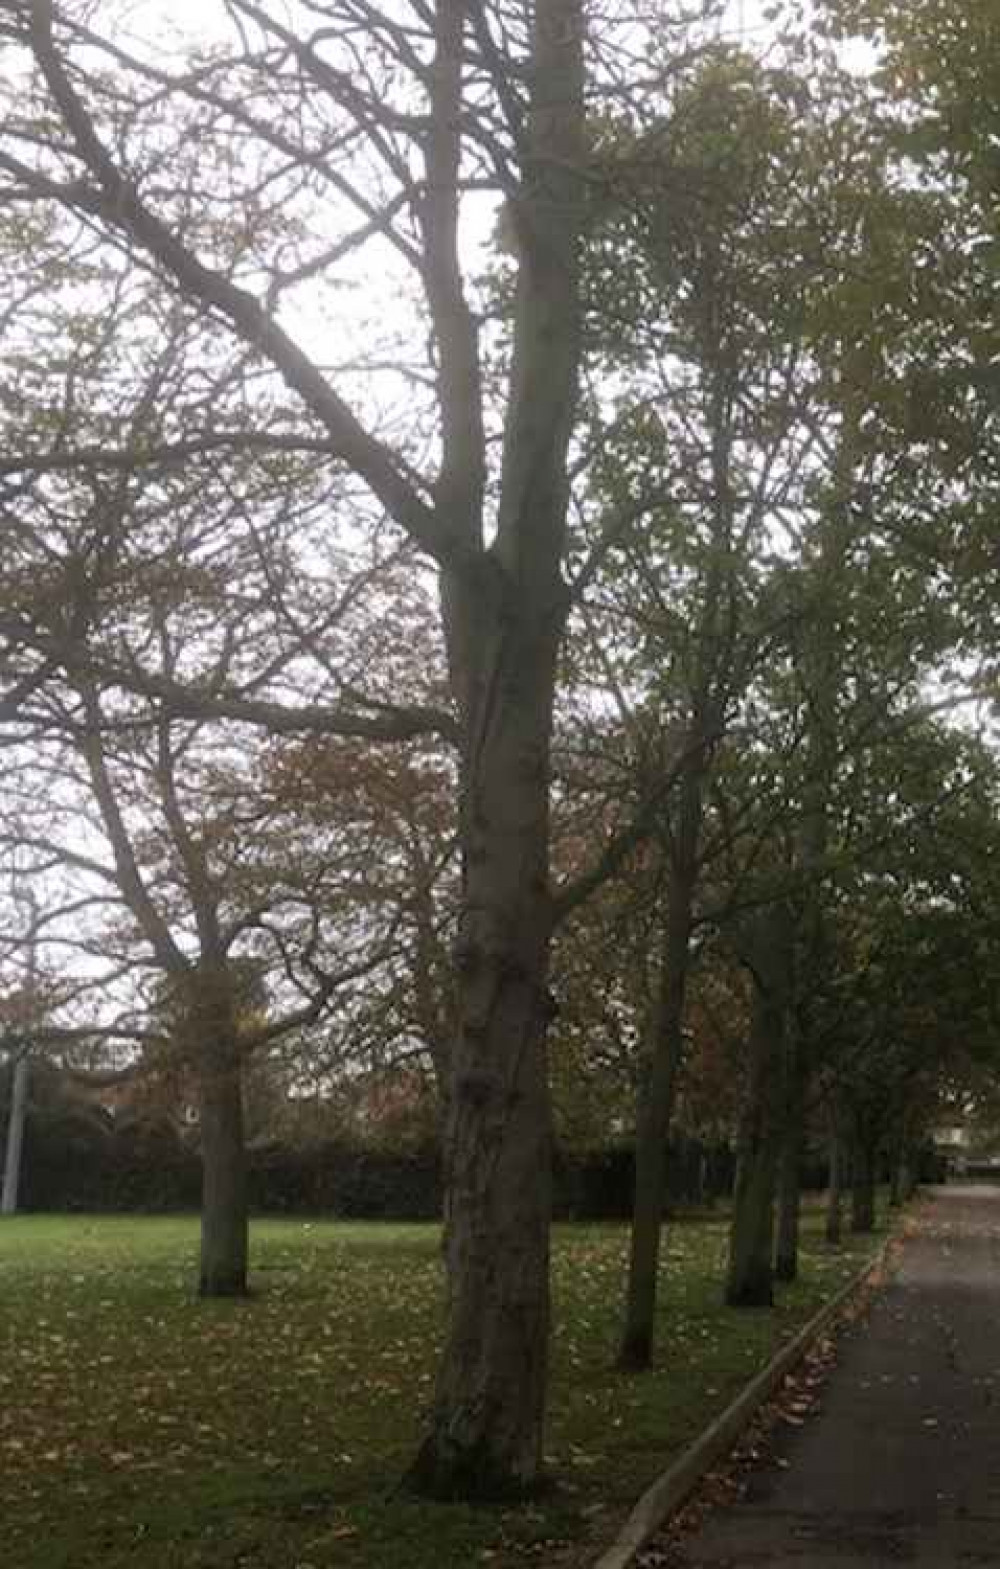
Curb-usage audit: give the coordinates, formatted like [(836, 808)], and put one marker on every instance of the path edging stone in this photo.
[(670, 1489)]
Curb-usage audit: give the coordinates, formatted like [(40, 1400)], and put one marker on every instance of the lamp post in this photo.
[(19, 1088)]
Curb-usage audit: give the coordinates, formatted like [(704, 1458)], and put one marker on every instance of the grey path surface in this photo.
[(901, 1464)]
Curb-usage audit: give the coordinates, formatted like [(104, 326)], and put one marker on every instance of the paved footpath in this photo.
[(901, 1464)]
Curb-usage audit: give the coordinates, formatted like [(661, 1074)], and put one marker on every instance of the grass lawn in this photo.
[(141, 1427)]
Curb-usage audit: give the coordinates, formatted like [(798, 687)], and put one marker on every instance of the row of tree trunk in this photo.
[(764, 1238)]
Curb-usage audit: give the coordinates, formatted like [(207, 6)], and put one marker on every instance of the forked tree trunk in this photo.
[(662, 1053), (749, 1277), (504, 620), (224, 1218), (863, 1188), (835, 1191)]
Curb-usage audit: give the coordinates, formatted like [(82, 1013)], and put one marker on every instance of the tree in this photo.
[(742, 229), (188, 891), (457, 88), (384, 815)]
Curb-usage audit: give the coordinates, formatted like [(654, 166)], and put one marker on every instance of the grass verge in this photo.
[(141, 1427)]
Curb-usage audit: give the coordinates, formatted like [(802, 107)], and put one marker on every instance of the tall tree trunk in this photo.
[(15, 1134), (224, 1217), (900, 1178), (504, 622), (786, 1249), (210, 1045), (749, 1277), (863, 1187), (486, 1431), (664, 1043), (818, 660), (834, 1193), (662, 1053), (705, 1193)]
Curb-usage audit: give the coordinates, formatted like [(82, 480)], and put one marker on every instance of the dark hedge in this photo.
[(82, 1161)]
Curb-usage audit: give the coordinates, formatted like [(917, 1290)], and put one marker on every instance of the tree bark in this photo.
[(900, 1177), (786, 1251), (819, 664), (210, 1046), (486, 1430), (749, 1277), (834, 1195), (863, 1188), (224, 1216), (504, 624), (793, 1111), (663, 1051), (664, 1043)]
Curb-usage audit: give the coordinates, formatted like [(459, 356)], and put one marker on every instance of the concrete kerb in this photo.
[(669, 1491)]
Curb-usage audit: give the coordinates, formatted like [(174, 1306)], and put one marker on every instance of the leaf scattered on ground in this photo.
[(140, 1427)]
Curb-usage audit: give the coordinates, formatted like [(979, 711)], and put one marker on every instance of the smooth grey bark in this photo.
[(15, 1133)]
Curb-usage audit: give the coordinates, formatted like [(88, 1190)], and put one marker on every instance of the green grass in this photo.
[(141, 1427)]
